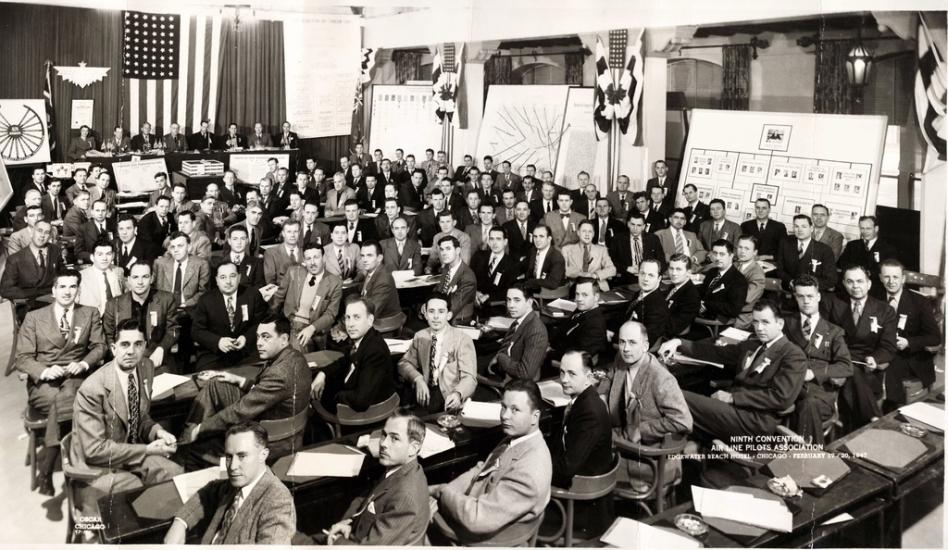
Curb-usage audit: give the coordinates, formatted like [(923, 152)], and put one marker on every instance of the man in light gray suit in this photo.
[(183, 275), (718, 227), (824, 233), (337, 196), (277, 259), (309, 297), (746, 263), (676, 240)]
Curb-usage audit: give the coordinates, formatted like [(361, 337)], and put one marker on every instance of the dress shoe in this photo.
[(44, 485)]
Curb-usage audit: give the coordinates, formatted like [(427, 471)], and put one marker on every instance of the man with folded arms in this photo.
[(251, 506), (441, 363), (502, 498), (309, 298)]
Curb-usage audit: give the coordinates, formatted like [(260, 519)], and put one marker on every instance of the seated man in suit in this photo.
[(91, 232), (365, 376), (523, 347), (53, 203), (277, 259), (824, 233), (564, 222), (869, 251), (278, 392), (22, 238), (717, 226), (357, 230), (917, 331), (129, 249), (724, 290), (32, 197), (377, 284), (427, 219), (479, 231), (633, 247), (746, 263), (154, 227), (441, 364), (505, 210), (648, 306), (337, 196), (675, 240), (683, 297), (585, 329), (392, 211), (309, 298), (659, 203), (607, 229), (620, 199), (112, 425), (587, 260), (458, 282), (224, 321), (520, 232), (494, 269), (180, 273), (56, 347), (543, 204), (101, 281), (76, 215), (645, 404), (203, 139), (402, 253), (768, 373), (871, 328), (154, 310), (395, 511), (662, 180), (200, 242), (144, 140), (312, 230), (695, 210), (448, 224), (30, 272), (654, 219), (502, 498), (252, 506), (545, 266), (805, 255), (249, 266), (828, 362), (342, 257), (769, 232)]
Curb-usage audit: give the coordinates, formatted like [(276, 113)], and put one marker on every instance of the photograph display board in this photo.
[(252, 168), (138, 176), (404, 117)]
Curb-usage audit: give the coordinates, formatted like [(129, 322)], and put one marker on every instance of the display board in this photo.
[(252, 168), (403, 117), (23, 135), (794, 159), (322, 59), (578, 145), (138, 176)]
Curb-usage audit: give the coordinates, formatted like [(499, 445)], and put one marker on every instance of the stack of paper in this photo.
[(480, 415), (629, 533), (926, 413), (190, 483), (685, 360), (565, 305), (742, 508), (552, 393), (435, 442), (500, 323), (397, 346), (166, 382), (735, 334), (331, 460)]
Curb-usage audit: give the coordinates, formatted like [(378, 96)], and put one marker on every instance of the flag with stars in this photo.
[(150, 45)]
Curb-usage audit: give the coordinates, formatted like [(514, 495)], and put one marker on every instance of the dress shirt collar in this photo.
[(522, 438), (771, 343), (248, 488), (123, 380), (184, 265)]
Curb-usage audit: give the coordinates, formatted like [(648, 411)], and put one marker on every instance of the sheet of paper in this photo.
[(926, 413), (315, 463), (838, 519), (164, 382), (435, 442), (403, 275), (502, 323), (629, 533), (742, 508), (685, 360), (397, 346), (480, 414), (563, 304), (474, 333), (190, 483), (552, 392), (735, 334)]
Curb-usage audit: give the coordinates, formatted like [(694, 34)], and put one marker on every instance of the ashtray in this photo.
[(691, 524), (912, 430), (783, 487), (449, 421)]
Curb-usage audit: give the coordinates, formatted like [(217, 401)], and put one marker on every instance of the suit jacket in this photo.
[(656, 408), (621, 206), (394, 513), (670, 185), (23, 278), (583, 446), (46, 203), (255, 236), (276, 260), (250, 268), (175, 144), (621, 252), (522, 352), (614, 230), (410, 197), (153, 234), (730, 231), (496, 283), (380, 290), (493, 197), (324, 309), (599, 263), (237, 141), (40, 345), (667, 238), (193, 281), (73, 220), (728, 296), (138, 142), (456, 364), (461, 290), (585, 207), (465, 218), (383, 227), (88, 236), (695, 215), (22, 238), (509, 181), (335, 201), (855, 253), (374, 201), (266, 516), (161, 326), (652, 311), (756, 283), (286, 141), (434, 259), (350, 260), (501, 215), (831, 238), (258, 142), (200, 245), (409, 259), (517, 245), (92, 286), (427, 224), (501, 498), (826, 355), (136, 254), (200, 142), (365, 377), (874, 335), (553, 272), (656, 220), (561, 236), (475, 233), (583, 330), (209, 323), (817, 260), (683, 307), (461, 172), (768, 242), (364, 231), (916, 323)]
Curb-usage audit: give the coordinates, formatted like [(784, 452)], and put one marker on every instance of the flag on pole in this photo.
[(368, 61), (50, 113), (172, 67), (604, 85), (930, 94), (631, 80), (445, 72)]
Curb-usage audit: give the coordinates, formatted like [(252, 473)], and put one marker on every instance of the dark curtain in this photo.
[(735, 82), (407, 66), (831, 90), (497, 70), (574, 69), (252, 84)]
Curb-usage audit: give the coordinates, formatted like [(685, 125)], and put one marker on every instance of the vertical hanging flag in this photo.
[(358, 103), (930, 94), (50, 113), (604, 86), (368, 61), (631, 81), (445, 73)]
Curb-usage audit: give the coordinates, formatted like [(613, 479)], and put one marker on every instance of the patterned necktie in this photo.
[(42, 260), (800, 249), (679, 243), (293, 256), (312, 280), (229, 516), (134, 411), (523, 230), (857, 311), (108, 287), (636, 251), (341, 262), (586, 258), (717, 231), (64, 323), (230, 312), (715, 281), (807, 326), (492, 264), (894, 303), (445, 280), (433, 361), (602, 232)]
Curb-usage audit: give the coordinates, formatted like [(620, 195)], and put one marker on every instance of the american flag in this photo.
[(173, 75), (930, 93)]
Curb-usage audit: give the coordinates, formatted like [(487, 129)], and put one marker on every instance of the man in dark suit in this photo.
[(662, 180), (545, 266), (695, 210), (154, 227), (395, 511), (400, 252), (508, 180), (38, 182), (259, 139), (523, 347), (224, 321), (53, 203), (428, 219), (659, 204), (411, 194), (129, 249), (606, 229), (366, 375), (520, 231), (75, 216), (586, 202), (232, 140), (30, 272), (377, 284), (769, 232), (717, 226), (545, 203), (468, 214), (528, 191), (203, 139), (585, 329), (869, 251), (286, 139), (917, 331), (174, 141), (648, 306), (359, 230), (144, 140), (804, 254), (654, 220), (768, 375), (683, 297), (93, 231), (633, 247), (384, 221), (724, 290), (249, 266), (461, 172), (871, 327), (494, 269), (458, 282)]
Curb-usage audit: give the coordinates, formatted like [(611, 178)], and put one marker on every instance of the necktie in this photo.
[(134, 411), (715, 281), (308, 234), (100, 228), (754, 357), (108, 287), (230, 312), (523, 230), (717, 230), (42, 260), (586, 257), (636, 250), (549, 206), (807, 326), (509, 337), (799, 249), (339, 260), (64, 323), (857, 311), (176, 289), (55, 208), (253, 241), (868, 248), (124, 253), (679, 244), (293, 256), (312, 280), (539, 266), (400, 247), (762, 227), (228, 518), (433, 361), (445, 279), (818, 234), (493, 263)]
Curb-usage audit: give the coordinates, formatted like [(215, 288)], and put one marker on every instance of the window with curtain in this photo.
[(831, 90), (735, 80), (407, 66)]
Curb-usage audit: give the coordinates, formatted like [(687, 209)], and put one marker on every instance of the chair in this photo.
[(713, 325), (34, 424), (11, 362), (345, 416), (583, 488), (73, 474), (528, 539), (286, 428), (390, 324), (546, 294), (657, 457)]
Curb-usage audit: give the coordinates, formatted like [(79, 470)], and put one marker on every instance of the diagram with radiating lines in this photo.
[(23, 131)]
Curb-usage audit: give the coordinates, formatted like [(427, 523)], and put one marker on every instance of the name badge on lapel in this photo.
[(154, 318), (817, 341), (874, 325), (497, 278), (611, 233), (248, 270), (315, 303), (77, 333), (359, 234), (876, 256), (131, 262), (763, 365), (572, 227), (244, 311), (371, 507), (409, 262), (815, 264), (719, 289), (903, 318), (543, 275), (724, 235)]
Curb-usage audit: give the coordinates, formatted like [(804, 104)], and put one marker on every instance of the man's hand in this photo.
[(74, 368), (632, 269), (305, 335), (318, 385), (337, 334), (723, 396), (434, 491), (158, 356), (453, 402), (342, 529), (432, 506), (871, 364), (226, 345), (159, 448), (901, 343), (240, 342), (809, 375), (267, 292), (668, 349), (480, 297), (165, 436), (52, 373), (422, 394)]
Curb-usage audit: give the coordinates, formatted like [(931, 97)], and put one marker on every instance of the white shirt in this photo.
[(452, 271), (814, 319), (111, 278), (495, 259), (802, 244), (351, 228), (291, 250), (58, 312), (123, 381), (541, 257)]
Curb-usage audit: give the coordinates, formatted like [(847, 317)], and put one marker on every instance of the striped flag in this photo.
[(604, 83), (50, 113), (445, 77), (930, 92), (631, 81), (193, 95)]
